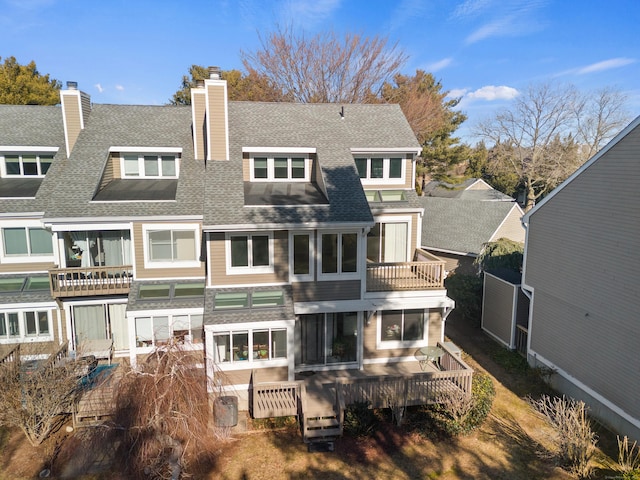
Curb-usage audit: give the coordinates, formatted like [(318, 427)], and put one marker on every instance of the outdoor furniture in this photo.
[(426, 355)]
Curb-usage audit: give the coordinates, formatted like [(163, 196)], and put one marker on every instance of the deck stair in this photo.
[(322, 414)]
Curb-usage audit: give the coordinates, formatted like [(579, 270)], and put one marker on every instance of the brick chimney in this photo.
[(76, 106), (210, 117)]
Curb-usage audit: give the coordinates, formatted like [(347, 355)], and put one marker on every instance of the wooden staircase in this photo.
[(322, 415)]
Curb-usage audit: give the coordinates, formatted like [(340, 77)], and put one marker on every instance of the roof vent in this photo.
[(214, 73), (72, 85)]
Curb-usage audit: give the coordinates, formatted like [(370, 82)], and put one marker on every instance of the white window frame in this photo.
[(271, 167), (339, 275), (310, 276), (141, 159), (386, 161), (390, 344), (22, 337), (174, 227), (250, 269), (171, 320), (27, 258), (20, 151), (251, 358)]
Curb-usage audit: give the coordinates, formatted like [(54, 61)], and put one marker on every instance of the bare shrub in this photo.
[(574, 438), (459, 406), (163, 411), (628, 460), (36, 396)]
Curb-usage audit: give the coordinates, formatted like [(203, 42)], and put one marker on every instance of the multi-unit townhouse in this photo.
[(280, 239)]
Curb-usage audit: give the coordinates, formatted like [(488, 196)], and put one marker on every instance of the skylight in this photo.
[(253, 299)]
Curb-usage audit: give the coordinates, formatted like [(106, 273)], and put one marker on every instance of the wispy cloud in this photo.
[(457, 92), (500, 18), (301, 12), (406, 13), (605, 65), (439, 65), (120, 88), (99, 88)]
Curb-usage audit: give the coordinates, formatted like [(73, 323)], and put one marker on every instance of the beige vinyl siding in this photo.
[(433, 329), (414, 234), (479, 186), (71, 104), (26, 267), (410, 181), (246, 167), (243, 377), (326, 291), (511, 228), (199, 107), (583, 262), (217, 142), (113, 163), (497, 308), (219, 275), (142, 272)]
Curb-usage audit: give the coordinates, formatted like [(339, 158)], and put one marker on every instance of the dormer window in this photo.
[(380, 168), (149, 165), (25, 164), (276, 168)]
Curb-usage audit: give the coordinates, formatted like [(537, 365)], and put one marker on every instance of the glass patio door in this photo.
[(328, 338)]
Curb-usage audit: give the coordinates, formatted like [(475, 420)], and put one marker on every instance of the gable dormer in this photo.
[(210, 118), (76, 106)]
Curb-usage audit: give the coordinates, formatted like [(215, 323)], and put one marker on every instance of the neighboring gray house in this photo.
[(470, 189), (581, 270), (456, 229)]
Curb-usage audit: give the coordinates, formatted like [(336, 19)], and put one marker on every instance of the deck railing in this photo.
[(522, 334), (276, 399), (82, 281), (12, 357), (425, 272)]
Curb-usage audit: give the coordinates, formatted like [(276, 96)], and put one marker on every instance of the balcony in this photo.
[(425, 272), (88, 281)]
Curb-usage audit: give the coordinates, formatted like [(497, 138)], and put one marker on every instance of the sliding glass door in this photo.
[(327, 338)]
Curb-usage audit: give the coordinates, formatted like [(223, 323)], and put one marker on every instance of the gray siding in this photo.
[(326, 291), (583, 262), (497, 308)]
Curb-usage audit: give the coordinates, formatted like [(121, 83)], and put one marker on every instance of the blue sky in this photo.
[(485, 51)]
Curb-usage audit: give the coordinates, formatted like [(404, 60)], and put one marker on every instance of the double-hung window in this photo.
[(26, 164), (404, 326), (380, 169), (249, 251), (171, 246), (276, 168), (338, 255), (33, 325), (135, 165)]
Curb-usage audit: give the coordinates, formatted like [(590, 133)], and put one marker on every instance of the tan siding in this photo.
[(479, 186), (414, 233), (434, 332), (511, 228), (246, 167), (85, 102), (71, 105), (583, 263), (219, 275), (326, 291), (25, 267), (199, 114), (497, 308), (435, 327), (243, 377), (409, 179), (142, 272), (109, 170), (217, 115)]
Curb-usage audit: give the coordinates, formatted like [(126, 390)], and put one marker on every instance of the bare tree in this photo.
[(37, 396), (525, 133), (324, 68), (599, 117), (162, 408), (549, 131)]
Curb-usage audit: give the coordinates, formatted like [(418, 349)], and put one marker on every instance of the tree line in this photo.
[(531, 146)]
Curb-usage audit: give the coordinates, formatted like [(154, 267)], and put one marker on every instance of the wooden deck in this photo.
[(321, 397)]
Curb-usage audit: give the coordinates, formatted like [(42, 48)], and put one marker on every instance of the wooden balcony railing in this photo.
[(12, 358), (83, 281), (424, 273)]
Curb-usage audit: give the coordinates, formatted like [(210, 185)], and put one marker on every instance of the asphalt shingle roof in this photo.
[(461, 225), (449, 190)]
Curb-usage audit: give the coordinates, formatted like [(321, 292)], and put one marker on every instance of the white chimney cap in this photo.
[(214, 73), (72, 85)]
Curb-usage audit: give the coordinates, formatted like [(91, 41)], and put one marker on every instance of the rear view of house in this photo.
[(582, 273)]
